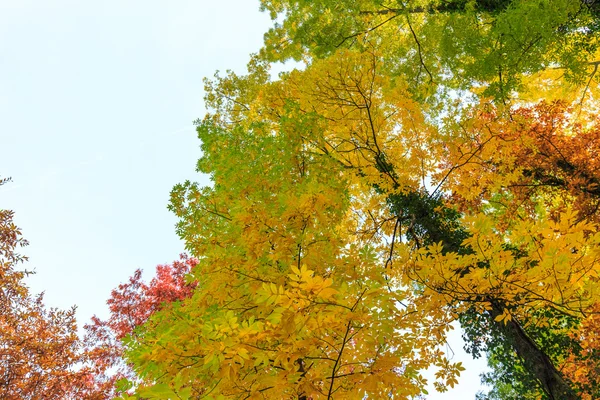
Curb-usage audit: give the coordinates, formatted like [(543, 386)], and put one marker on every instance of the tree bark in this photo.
[(536, 361)]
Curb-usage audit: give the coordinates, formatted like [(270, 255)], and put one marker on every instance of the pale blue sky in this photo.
[(97, 100)]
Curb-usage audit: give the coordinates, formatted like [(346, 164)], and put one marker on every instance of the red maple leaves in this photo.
[(130, 304)]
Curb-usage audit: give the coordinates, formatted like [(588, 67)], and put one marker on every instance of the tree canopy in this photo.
[(433, 162), (414, 173)]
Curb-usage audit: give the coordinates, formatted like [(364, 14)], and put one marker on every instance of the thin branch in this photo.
[(595, 64), (337, 361), (389, 260), (367, 31), (419, 50)]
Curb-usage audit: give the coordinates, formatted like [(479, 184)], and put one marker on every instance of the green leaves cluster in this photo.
[(458, 44)]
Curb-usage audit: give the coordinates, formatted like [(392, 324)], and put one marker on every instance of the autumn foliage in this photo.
[(357, 209), (432, 163), (42, 355), (40, 350), (130, 305)]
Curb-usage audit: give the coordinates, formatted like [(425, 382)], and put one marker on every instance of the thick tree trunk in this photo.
[(535, 360)]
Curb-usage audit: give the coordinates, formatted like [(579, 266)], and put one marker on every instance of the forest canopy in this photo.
[(432, 164)]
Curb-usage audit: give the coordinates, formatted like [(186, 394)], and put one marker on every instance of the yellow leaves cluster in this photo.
[(504, 317), (538, 263), (304, 281), (301, 290), (448, 373), (293, 297)]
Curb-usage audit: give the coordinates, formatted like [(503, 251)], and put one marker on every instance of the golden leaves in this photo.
[(312, 280)]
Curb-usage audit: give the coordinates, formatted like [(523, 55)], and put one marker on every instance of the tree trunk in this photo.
[(536, 361)]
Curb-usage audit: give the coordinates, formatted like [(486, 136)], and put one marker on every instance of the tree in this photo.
[(130, 305), (356, 210), (291, 300), (42, 356), (40, 350), (582, 367), (511, 46)]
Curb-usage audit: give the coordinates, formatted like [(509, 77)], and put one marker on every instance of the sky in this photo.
[(97, 101)]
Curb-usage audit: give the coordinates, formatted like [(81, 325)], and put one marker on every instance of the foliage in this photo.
[(130, 305), (42, 355), (40, 350), (353, 217), (457, 43), (292, 300), (583, 367), (435, 161)]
